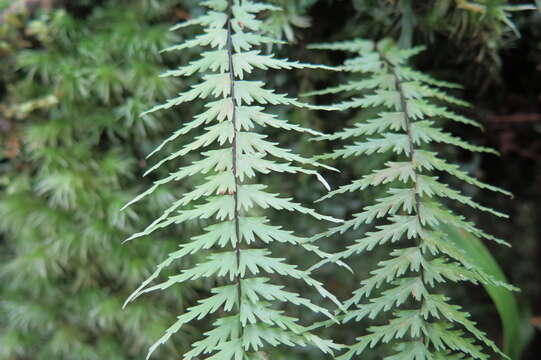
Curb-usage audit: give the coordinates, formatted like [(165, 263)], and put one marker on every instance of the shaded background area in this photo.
[(74, 75)]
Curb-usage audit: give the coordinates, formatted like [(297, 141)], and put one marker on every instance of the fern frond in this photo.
[(409, 217), (235, 248)]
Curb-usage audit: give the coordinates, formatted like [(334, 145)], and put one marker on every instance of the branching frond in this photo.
[(230, 152), (409, 217)]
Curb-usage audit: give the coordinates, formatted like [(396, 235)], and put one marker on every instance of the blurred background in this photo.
[(75, 74)]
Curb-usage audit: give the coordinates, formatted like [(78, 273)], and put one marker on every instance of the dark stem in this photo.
[(407, 122), (234, 148)]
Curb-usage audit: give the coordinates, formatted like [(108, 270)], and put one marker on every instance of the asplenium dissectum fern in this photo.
[(245, 311), (410, 217)]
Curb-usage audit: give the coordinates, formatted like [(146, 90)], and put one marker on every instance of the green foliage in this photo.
[(235, 249), (466, 32), (422, 323), (74, 77), (71, 110)]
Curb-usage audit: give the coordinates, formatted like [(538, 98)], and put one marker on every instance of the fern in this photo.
[(231, 154), (410, 217)]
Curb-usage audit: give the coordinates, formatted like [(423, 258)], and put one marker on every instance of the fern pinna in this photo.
[(243, 305), (410, 217)]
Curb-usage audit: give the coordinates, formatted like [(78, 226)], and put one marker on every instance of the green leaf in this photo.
[(504, 299)]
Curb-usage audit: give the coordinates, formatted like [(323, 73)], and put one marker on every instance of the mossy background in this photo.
[(74, 75)]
